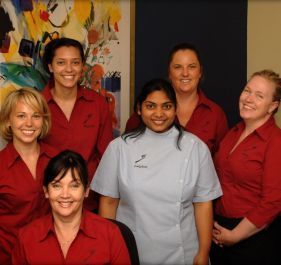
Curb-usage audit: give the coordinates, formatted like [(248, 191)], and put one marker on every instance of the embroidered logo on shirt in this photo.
[(137, 161)]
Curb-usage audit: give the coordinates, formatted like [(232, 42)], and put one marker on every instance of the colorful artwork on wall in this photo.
[(28, 25)]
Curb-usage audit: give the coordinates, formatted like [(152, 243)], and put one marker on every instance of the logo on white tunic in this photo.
[(140, 159)]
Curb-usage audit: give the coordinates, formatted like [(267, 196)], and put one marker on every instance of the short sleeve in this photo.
[(207, 185), (105, 181)]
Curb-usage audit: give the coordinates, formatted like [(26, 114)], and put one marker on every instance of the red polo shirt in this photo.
[(250, 176), (98, 241), (208, 122), (89, 129), (21, 196)]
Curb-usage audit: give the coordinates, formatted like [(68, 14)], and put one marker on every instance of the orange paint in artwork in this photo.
[(93, 36), (106, 51), (96, 76), (111, 104), (116, 27), (95, 51)]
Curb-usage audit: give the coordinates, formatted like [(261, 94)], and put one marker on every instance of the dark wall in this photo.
[(217, 28)]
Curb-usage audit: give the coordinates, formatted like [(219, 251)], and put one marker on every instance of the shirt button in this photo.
[(192, 140), (178, 203), (185, 160), (177, 226), (181, 181)]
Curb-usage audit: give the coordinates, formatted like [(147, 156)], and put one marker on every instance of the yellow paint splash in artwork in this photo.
[(13, 50), (4, 91), (35, 25), (114, 13), (108, 9), (82, 10), (74, 30)]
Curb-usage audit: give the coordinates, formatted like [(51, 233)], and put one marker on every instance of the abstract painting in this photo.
[(100, 25)]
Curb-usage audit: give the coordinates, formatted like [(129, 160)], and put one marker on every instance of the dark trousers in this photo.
[(263, 248)]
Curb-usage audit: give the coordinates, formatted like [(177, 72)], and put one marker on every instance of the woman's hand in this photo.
[(223, 236)]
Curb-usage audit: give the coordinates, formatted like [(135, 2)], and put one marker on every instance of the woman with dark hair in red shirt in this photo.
[(195, 112), (70, 234), (80, 117), (247, 228)]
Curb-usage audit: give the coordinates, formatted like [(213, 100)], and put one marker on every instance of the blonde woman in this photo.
[(24, 121), (247, 228)]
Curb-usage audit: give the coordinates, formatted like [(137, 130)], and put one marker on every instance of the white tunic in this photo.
[(157, 184)]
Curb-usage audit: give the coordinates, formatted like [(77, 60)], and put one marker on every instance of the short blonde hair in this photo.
[(33, 99)]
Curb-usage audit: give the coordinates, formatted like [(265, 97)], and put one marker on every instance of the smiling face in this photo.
[(256, 100), (25, 123), (185, 71), (157, 111), (66, 66), (66, 195)]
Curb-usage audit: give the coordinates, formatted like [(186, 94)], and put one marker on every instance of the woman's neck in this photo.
[(65, 98), (27, 149), (69, 223), (187, 97), (186, 105), (29, 154), (63, 93), (251, 126), (67, 230)]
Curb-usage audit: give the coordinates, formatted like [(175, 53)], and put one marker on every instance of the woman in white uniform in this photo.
[(160, 181)]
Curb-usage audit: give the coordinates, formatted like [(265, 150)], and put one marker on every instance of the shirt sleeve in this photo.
[(270, 203), (207, 187), (105, 181)]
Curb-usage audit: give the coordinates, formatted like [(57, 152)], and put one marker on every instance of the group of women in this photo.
[(174, 166)]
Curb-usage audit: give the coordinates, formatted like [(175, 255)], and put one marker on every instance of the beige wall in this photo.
[(264, 38)]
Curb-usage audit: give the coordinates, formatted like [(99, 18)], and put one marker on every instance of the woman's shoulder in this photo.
[(117, 144), (210, 103), (48, 149), (101, 224), (91, 94), (35, 229), (189, 137), (8, 154), (275, 134)]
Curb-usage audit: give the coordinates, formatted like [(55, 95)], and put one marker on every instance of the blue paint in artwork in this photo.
[(16, 4), (26, 5), (112, 81), (22, 5), (22, 75)]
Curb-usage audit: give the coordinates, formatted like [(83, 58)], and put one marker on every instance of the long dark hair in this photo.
[(157, 84)]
